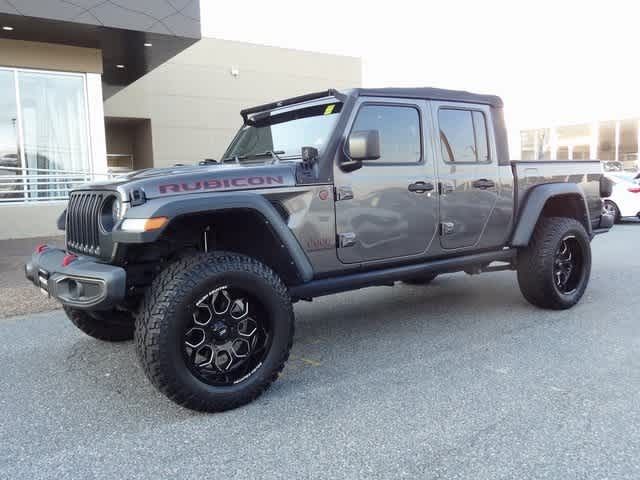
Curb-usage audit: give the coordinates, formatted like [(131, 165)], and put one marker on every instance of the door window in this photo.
[(399, 129), (463, 136)]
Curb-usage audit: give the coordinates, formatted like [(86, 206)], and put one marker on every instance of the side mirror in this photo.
[(362, 145), (208, 161)]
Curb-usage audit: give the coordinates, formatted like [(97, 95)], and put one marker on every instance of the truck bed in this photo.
[(585, 173)]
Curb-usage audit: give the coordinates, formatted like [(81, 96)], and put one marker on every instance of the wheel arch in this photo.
[(236, 221), (550, 200)]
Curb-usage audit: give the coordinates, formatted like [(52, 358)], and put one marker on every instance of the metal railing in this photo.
[(120, 160), (26, 185)]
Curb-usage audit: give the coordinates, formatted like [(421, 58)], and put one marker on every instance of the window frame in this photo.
[(368, 103), (489, 160)]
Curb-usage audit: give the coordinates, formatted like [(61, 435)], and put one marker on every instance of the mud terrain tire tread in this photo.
[(107, 326), (158, 309), (535, 263)]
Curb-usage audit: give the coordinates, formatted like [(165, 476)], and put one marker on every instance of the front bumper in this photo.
[(84, 283)]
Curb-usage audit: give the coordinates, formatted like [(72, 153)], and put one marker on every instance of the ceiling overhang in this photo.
[(134, 37)]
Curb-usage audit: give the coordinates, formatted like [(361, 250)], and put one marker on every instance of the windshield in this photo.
[(285, 133)]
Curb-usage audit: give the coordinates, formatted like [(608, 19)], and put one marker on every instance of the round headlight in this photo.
[(110, 213), (115, 211)]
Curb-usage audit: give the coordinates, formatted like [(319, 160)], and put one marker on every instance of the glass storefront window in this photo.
[(543, 138), (562, 153), (607, 141), (10, 186), (55, 128), (581, 152), (535, 144), (527, 145), (44, 133), (628, 149)]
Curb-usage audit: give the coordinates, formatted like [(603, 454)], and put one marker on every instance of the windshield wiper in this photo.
[(269, 153)]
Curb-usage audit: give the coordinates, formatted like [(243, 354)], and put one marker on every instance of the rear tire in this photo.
[(109, 326), (187, 330), (554, 269)]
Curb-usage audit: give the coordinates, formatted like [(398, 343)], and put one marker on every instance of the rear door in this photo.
[(467, 169)]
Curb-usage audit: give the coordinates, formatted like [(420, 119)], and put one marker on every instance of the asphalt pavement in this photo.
[(17, 295), (461, 379)]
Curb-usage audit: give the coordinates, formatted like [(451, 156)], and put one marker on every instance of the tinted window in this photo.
[(399, 129), (480, 127), (463, 136)]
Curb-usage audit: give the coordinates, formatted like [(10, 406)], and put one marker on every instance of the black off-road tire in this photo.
[(420, 280), (167, 308), (536, 263), (110, 326)]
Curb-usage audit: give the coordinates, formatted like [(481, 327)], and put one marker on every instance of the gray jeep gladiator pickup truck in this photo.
[(317, 194)]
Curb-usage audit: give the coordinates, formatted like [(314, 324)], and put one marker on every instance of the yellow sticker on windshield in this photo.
[(329, 109)]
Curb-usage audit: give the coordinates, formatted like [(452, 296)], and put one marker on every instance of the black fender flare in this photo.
[(534, 203), (177, 206)]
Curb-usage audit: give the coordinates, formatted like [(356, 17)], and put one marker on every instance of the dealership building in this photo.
[(94, 88), (614, 142)]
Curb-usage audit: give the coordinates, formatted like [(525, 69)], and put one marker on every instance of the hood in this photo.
[(181, 180)]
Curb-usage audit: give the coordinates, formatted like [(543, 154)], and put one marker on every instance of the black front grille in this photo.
[(83, 214)]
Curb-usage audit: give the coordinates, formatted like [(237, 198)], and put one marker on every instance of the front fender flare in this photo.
[(174, 207), (534, 203)]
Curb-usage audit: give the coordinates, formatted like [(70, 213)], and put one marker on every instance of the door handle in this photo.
[(421, 187), (483, 184)]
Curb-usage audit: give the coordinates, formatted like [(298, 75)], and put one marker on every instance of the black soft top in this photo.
[(429, 93), (425, 93)]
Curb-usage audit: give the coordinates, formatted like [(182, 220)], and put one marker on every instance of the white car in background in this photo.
[(625, 197)]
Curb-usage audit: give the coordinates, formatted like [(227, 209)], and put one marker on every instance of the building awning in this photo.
[(134, 38)]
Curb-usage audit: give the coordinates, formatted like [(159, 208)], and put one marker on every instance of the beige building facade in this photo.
[(188, 109), (614, 142)]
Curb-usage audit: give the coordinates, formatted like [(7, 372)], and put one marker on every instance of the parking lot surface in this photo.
[(459, 379), (16, 292)]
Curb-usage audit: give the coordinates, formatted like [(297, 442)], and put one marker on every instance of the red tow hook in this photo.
[(68, 258), (41, 248)]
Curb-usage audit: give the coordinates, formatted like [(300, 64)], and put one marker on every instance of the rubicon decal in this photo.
[(221, 184)]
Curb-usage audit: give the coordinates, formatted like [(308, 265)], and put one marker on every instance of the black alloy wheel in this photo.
[(228, 337), (568, 265)]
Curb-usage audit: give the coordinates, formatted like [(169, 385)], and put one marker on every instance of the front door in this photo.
[(388, 208), (468, 172)]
